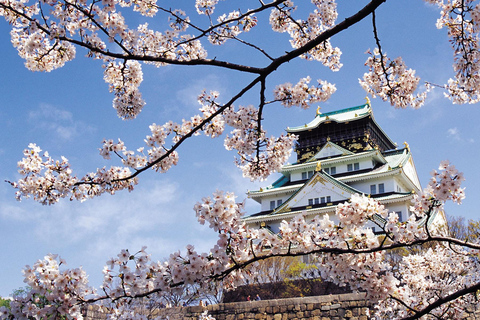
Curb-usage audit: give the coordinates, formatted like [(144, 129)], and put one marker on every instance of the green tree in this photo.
[(4, 302), (301, 279)]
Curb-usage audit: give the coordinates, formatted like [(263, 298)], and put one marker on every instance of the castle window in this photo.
[(310, 202), (354, 166), (381, 188), (304, 175), (322, 200), (327, 170), (329, 199), (272, 204), (399, 213), (316, 201), (279, 202), (373, 189), (333, 170), (310, 174)]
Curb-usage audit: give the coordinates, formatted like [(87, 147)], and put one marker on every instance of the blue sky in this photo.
[(68, 112)]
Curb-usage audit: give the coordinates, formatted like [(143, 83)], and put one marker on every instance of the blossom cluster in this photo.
[(462, 20), (302, 95), (348, 253), (231, 26), (392, 81), (124, 80), (436, 272), (443, 186), (130, 275), (205, 6), (52, 292), (49, 180), (259, 155), (303, 31)]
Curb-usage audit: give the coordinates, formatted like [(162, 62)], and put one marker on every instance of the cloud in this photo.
[(58, 122), (455, 134), (153, 209)]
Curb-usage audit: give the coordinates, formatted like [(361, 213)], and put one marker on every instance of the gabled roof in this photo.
[(329, 150), (328, 208), (375, 154), (396, 162), (391, 163), (343, 115), (319, 177)]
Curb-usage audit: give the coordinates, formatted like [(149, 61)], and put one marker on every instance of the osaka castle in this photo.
[(338, 154)]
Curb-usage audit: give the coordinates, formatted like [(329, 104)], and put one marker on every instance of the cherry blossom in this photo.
[(391, 80), (302, 95), (46, 35), (348, 253)]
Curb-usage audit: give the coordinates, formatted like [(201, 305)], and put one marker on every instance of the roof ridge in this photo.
[(331, 113)]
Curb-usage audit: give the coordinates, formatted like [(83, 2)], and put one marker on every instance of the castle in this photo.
[(339, 154)]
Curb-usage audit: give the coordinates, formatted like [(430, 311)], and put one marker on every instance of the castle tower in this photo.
[(339, 154)]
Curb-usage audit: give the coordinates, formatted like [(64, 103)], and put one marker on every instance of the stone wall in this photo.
[(351, 306)]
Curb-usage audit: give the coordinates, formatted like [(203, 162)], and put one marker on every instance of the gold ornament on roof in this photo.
[(406, 146), (368, 101), (319, 166), (318, 111)]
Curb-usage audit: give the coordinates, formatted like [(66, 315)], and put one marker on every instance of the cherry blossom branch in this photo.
[(441, 301), (379, 47)]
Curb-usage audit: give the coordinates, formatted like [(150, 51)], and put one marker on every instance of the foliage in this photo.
[(4, 303), (307, 274), (281, 277), (440, 282), (458, 229), (37, 302)]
